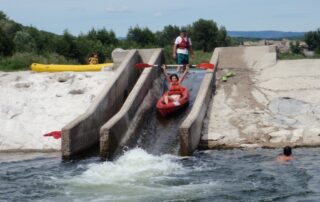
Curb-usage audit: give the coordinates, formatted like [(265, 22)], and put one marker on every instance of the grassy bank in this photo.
[(294, 56), (199, 56), (23, 61)]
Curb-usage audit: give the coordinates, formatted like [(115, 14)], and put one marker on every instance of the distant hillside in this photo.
[(265, 34)]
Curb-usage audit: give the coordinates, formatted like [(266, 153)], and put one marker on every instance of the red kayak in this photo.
[(173, 106)]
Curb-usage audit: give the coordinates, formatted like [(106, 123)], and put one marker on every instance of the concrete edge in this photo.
[(83, 132), (113, 131), (190, 129)]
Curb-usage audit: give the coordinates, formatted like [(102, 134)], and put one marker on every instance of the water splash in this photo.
[(135, 166), (138, 176)]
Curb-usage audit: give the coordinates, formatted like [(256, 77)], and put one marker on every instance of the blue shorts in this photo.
[(182, 59)]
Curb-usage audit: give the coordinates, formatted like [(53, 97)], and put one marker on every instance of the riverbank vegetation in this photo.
[(311, 51), (20, 45)]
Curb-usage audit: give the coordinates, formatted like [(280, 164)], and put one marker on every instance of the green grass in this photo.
[(292, 56), (23, 61), (199, 56)]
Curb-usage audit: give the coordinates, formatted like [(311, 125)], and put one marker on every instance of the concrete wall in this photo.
[(244, 57), (225, 57), (83, 132), (190, 129), (118, 130)]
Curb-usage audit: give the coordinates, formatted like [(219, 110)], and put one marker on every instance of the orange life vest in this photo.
[(175, 88)]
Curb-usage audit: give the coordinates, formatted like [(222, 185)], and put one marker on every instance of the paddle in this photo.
[(201, 65), (54, 134)]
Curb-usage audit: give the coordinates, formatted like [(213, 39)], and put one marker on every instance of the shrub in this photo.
[(23, 61)]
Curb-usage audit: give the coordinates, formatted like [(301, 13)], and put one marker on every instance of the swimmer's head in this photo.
[(287, 151)]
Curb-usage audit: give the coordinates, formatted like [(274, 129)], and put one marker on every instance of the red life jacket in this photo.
[(184, 43), (175, 89)]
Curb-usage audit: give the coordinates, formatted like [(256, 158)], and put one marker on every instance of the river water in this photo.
[(216, 175)]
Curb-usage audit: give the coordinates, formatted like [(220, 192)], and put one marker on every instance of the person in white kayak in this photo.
[(181, 49)]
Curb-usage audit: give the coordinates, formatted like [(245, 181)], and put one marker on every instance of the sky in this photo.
[(79, 16)]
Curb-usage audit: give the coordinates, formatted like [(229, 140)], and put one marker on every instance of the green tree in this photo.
[(24, 42), (47, 42), (43, 40), (10, 28), (99, 41), (3, 16), (106, 37), (205, 35), (168, 35), (223, 38), (67, 46), (143, 37), (295, 47), (6, 44), (312, 38), (92, 34)]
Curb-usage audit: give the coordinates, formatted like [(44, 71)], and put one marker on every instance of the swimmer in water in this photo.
[(287, 154)]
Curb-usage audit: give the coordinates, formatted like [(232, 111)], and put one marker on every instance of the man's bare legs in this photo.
[(181, 68)]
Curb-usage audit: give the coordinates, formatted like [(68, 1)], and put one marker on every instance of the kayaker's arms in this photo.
[(184, 75), (165, 72)]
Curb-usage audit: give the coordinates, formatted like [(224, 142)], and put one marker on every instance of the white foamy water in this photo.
[(133, 167), (136, 176)]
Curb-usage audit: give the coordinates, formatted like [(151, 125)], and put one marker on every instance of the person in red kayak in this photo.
[(175, 92)]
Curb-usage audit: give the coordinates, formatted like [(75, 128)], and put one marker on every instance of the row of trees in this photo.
[(16, 38), (205, 36), (312, 39)]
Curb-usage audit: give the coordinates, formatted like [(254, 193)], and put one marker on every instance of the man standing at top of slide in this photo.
[(181, 48)]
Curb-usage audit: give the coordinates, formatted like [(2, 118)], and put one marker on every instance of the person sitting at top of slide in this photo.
[(93, 59), (181, 48), (286, 156), (175, 91)]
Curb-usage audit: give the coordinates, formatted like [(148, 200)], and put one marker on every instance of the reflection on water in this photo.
[(217, 175)]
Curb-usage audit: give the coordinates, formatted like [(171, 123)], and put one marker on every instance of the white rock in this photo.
[(280, 136), (311, 136), (26, 114)]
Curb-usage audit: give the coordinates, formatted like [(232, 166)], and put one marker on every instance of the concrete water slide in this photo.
[(113, 120), (121, 128), (83, 133), (118, 112)]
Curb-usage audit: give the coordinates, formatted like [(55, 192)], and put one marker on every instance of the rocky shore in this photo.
[(266, 105), (33, 104)]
